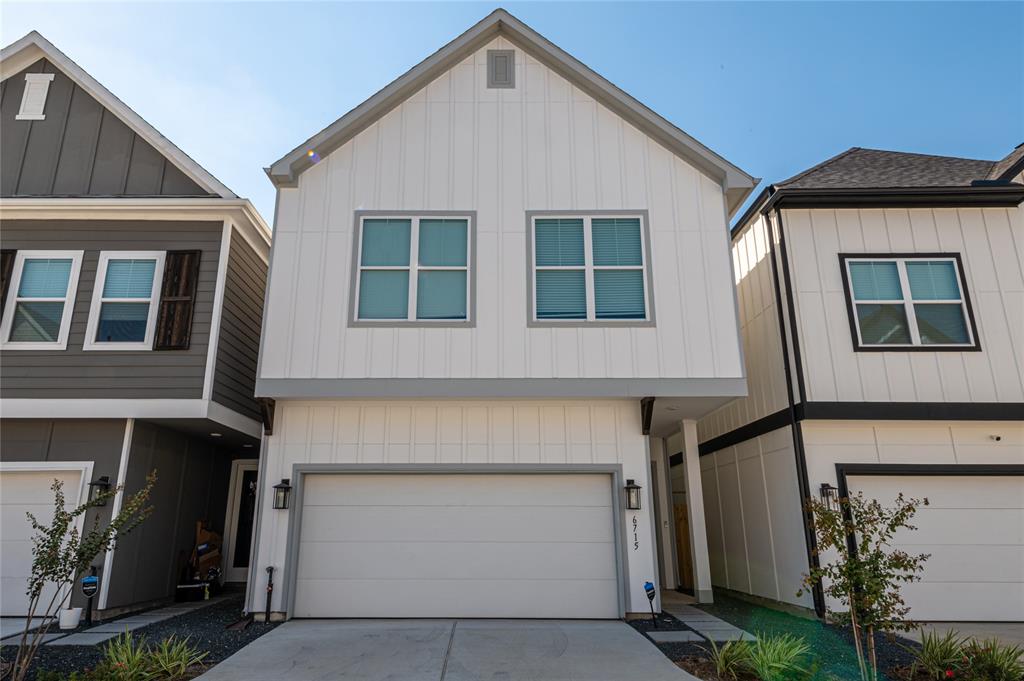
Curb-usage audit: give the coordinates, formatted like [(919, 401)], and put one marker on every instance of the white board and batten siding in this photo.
[(990, 242), (759, 329), (543, 145), (502, 432)]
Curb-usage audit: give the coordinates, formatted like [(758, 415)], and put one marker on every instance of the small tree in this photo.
[(867, 572), (60, 555)]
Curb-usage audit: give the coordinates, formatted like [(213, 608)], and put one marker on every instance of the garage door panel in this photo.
[(952, 563), (457, 598), (965, 602), (458, 490), (974, 530), (404, 523), (977, 526), (454, 560), (22, 491), (466, 545), (949, 491)]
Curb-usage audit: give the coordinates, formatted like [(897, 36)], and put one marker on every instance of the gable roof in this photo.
[(878, 178), (859, 168), (29, 49), (285, 171)]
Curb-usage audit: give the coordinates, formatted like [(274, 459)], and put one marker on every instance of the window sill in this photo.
[(400, 324), (584, 323)]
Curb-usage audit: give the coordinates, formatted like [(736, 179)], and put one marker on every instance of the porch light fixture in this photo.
[(98, 487), (632, 495), (828, 494), (282, 491)]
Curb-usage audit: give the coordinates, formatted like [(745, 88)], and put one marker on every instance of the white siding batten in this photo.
[(115, 508)]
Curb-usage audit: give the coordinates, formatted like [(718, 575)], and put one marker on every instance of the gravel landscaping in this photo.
[(832, 646), (206, 628)]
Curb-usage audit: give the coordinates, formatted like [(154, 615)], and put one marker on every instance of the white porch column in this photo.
[(663, 499), (695, 510)]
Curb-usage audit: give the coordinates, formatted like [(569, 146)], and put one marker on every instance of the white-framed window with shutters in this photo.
[(413, 269), (908, 302), (589, 269), (125, 300), (40, 300)]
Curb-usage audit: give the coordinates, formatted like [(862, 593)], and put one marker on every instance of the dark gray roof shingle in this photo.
[(1008, 168), (859, 168)]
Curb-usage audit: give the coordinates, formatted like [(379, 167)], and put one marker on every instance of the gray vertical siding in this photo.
[(75, 373), (79, 149), (234, 382), (192, 485), (99, 441)]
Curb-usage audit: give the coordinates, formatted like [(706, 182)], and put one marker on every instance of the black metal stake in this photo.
[(88, 602), (270, 589), (651, 593)]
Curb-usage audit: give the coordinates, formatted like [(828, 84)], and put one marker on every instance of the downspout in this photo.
[(810, 540)]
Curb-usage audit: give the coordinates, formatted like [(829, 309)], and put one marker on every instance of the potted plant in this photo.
[(70, 617)]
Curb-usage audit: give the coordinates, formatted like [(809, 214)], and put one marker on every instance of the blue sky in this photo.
[(773, 87)]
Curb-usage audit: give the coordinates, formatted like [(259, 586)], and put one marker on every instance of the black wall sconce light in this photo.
[(282, 491), (828, 494), (97, 488), (632, 495)]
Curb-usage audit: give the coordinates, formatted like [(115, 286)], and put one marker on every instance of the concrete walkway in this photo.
[(449, 650), (13, 626), (707, 626)]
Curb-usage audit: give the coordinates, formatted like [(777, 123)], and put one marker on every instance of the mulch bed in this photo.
[(831, 645), (206, 628)]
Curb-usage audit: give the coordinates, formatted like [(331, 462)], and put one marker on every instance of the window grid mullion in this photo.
[(908, 302), (414, 262), (588, 268)]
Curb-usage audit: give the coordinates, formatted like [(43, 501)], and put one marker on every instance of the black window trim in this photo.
[(975, 346)]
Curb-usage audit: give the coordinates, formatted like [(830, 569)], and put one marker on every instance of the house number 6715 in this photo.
[(636, 536)]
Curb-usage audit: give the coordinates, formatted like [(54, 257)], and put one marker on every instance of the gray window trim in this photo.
[(493, 82), (300, 470), (531, 301), (357, 231)]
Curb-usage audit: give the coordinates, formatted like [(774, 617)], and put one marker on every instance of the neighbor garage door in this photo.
[(21, 492), (403, 545), (973, 528)]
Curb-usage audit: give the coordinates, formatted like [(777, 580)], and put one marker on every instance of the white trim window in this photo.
[(413, 269), (37, 313), (590, 269), (125, 300), (908, 302)]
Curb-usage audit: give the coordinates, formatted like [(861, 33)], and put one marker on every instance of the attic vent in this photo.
[(501, 68), (33, 99)]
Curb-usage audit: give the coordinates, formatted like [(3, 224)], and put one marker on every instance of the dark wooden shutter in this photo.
[(177, 300), (6, 270)]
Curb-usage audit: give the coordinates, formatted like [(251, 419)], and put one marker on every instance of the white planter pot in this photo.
[(70, 617)]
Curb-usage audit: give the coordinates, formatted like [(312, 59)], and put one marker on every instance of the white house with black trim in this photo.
[(882, 310), (132, 299), (496, 287)]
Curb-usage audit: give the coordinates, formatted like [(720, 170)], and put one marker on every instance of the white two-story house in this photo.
[(882, 309), (496, 287)]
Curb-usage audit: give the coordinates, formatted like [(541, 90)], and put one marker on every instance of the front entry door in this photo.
[(238, 524)]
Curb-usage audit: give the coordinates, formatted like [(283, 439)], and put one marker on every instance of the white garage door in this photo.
[(21, 492), (457, 546), (973, 528)]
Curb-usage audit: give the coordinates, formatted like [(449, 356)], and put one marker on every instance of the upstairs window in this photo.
[(589, 270), (910, 302), (41, 296), (413, 269), (124, 302)]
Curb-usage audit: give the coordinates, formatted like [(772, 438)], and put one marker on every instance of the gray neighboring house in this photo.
[(133, 284)]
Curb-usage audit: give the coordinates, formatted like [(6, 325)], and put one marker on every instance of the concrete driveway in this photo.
[(449, 650)]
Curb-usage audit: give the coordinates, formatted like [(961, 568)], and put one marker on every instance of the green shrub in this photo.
[(938, 654), (128, 659), (730, 659), (172, 658), (990, 660), (778, 658)]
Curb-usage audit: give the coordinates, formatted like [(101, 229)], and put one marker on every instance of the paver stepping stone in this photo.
[(86, 638), (674, 636)]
